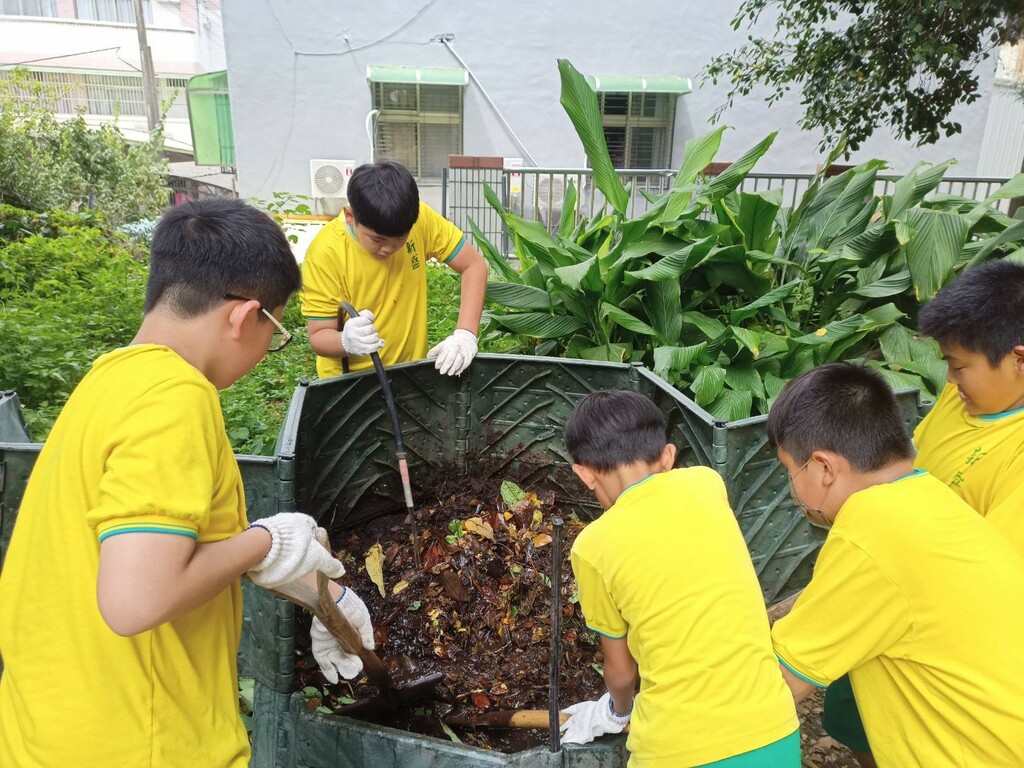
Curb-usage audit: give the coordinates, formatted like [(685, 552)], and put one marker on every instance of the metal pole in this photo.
[(149, 97), (554, 721)]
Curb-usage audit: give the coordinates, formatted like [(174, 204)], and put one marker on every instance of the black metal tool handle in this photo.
[(554, 733), (389, 399)]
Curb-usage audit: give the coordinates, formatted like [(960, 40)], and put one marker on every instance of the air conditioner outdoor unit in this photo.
[(329, 178)]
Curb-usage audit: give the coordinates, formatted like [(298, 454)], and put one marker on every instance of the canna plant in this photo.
[(728, 294)]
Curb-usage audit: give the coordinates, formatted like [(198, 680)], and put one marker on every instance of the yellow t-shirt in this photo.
[(979, 457), (139, 446), (919, 599), (666, 567), (337, 268)]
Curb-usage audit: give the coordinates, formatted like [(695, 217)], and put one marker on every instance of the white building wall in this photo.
[(297, 74)]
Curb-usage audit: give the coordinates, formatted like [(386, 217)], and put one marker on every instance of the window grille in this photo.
[(419, 125)]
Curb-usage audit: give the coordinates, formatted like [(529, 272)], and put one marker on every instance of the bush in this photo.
[(46, 164), (71, 288)]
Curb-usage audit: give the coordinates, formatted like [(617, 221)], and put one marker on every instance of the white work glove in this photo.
[(294, 551), (333, 661), (590, 719), (359, 335), (455, 353)]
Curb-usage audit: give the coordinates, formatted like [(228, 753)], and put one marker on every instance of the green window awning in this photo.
[(425, 75), (209, 116), (630, 84)]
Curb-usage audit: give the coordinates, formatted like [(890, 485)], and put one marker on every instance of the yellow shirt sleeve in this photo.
[(849, 613), (160, 473), (323, 281), (1007, 510), (443, 240), (599, 609)]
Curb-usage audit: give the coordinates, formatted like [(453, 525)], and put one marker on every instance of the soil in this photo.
[(479, 612)]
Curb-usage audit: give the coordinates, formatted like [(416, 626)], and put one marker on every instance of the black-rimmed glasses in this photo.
[(281, 336)]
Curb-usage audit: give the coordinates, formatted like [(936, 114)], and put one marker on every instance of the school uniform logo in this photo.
[(410, 248)]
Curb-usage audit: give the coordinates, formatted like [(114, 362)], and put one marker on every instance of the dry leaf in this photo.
[(479, 527), (399, 587), (375, 567), (480, 700), (541, 540)]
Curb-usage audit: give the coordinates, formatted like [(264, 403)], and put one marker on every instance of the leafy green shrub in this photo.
[(47, 164), (728, 294), (71, 289)]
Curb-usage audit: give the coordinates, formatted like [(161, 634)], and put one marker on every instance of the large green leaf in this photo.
[(676, 263), (886, 286), (731, 405), (626, 320), (607, 353), (774, 296), (539, 325), (733, 176), (1010, 235), (709, 326), (747, 338), (757, 217), (580, 103), (745, 378), (517, 296), (707, 384), (498, 262), (567, 219), (662, 303), (582, 276), (678, 358), (698, 152), (933, 248), (912, 188)]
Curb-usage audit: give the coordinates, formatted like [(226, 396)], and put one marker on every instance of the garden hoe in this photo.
[(321, 604), (389, 400)]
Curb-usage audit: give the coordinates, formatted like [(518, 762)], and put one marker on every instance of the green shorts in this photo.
[(841, 718), (784, 753)]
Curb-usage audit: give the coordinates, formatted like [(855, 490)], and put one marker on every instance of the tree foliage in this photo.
[(48, 164), (860, 65)]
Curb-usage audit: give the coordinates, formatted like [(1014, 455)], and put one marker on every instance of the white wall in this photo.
[(297, 72)]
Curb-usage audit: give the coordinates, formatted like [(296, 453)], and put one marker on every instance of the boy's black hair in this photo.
[(207, 248), (608, 429), (844, 408), (982, 310), (384, 197)]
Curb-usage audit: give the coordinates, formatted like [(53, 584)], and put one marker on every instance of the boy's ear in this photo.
[(1018, 358), (667, 460), (238, 315), (350, 217), (832, 465), (586, 474)]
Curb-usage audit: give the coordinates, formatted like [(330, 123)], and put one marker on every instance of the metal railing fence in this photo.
[(537, 194)]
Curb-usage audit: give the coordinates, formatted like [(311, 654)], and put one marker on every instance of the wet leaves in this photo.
[(478, 610)]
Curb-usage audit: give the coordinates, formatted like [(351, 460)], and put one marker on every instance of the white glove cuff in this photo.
[(275, 547), (623, 718)]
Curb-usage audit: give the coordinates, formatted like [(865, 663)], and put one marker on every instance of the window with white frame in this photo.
[(638, 127), (419, 125), (107, 94), (28, 8), (118, 11)]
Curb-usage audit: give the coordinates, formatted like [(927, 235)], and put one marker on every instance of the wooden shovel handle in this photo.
[(511, 718)]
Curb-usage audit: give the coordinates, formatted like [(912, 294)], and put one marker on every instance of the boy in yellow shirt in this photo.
[(666, 580), (913, 594), (374, 257), (120, 597), (973, 438)]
